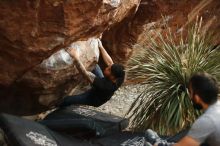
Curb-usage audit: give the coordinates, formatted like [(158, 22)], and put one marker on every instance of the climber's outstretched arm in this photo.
[(81, 68), (106, 57)]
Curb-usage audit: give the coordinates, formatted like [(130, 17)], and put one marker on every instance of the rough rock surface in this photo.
[(53, 78), (154, 15), (32, 30)]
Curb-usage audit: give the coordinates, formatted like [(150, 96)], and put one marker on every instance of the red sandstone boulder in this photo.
[(32, 30), (153, 15)]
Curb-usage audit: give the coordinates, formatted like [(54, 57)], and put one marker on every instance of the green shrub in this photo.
[(166, 67)]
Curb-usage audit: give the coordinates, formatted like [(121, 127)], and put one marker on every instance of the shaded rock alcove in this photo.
[(32, 30)]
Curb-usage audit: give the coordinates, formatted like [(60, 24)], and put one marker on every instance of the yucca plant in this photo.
[(166, 66)]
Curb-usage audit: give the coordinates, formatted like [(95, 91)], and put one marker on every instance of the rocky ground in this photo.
[(122, 100), (118, 105)]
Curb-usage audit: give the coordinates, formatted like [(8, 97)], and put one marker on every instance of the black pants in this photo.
[(85, 98)]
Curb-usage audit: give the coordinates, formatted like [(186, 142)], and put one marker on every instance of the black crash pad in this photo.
[(22, 132), (84, 120)]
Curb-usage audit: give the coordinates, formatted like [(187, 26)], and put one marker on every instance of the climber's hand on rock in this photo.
[(73, 52)]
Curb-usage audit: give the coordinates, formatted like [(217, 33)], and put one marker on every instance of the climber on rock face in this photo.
[(104, 84)]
